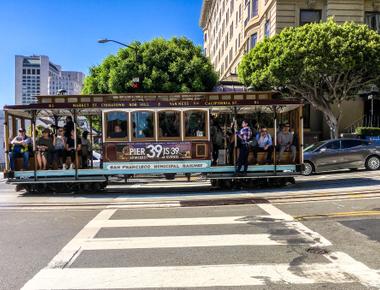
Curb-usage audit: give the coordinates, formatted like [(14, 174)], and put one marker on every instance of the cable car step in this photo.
[(58, 180)]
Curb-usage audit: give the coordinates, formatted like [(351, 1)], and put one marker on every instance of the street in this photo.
[(321, 233)]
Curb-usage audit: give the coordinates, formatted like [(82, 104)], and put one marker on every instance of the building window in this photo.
[(252, 41), (372, 19), (231, 30), (255, 8), (267, 28), (205, 37), (248, 5), (232, 5), (310, 16)]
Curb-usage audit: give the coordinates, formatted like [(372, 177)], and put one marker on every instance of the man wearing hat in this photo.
[(20, 146)]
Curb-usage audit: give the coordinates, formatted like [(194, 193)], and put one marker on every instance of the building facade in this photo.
[(37, 75), (233, 27)]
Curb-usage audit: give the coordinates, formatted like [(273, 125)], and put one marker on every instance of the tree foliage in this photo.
[(324, 63), (174, 65)]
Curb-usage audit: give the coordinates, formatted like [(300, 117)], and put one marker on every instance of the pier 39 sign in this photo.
[(155, 151)]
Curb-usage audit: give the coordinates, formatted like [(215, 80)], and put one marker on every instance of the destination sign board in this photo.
[(140, 151)]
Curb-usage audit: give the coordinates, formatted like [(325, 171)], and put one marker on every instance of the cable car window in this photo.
[(117, 125), (169, 124), (143, 124), (195, 124)]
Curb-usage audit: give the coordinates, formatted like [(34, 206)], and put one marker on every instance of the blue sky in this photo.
[(67, 30)]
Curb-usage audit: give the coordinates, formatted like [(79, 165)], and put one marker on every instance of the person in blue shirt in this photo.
[(263, 144)]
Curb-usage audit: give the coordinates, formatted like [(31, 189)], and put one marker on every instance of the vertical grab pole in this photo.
[(235, 137), (91, 141), (34, 116), (300, 133), (76, 145), (225, 143), (6, 139), (275, 140)]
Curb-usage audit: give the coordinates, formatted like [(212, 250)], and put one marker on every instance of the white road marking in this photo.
[(189, 241), (294, 225), (166, 222), (72, 250), (186, 276), (57, 275), (349, 265)]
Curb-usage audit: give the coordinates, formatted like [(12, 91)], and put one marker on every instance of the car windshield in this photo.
[(312, 147)]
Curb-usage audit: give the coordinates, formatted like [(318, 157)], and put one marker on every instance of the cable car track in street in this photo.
[(219, 198)]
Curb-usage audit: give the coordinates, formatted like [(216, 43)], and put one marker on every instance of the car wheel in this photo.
[(372, 163), (309, 168)]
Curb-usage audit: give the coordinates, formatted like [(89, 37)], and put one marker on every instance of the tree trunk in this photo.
[(332, 122)]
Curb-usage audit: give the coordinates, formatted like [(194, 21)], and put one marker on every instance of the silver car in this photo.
[(341, 154)]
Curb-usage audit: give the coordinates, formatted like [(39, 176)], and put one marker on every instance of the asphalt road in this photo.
[(328, 239)]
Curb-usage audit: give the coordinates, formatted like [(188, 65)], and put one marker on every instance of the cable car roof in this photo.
[(94, 104)]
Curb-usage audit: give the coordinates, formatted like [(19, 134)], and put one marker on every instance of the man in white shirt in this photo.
[(264, 144)]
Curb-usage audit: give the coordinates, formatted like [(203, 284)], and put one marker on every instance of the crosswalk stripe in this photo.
[(72, 250), (191, 241), (57, 275), (186, 276), (161, 222)]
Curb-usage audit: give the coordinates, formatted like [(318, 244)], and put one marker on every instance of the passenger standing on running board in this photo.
[(244, 135)]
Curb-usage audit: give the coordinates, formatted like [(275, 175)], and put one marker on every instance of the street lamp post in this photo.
[(136, 80)]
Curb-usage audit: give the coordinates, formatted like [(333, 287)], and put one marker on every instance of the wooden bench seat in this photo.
[(19, 163)]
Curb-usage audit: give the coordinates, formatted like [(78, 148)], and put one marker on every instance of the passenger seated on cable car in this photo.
[(263, 144), (70, 150), (45, 149), (196, 128), (20, 147), (118, 132), (285, 140), (59, 142)]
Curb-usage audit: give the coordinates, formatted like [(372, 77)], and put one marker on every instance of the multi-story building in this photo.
[(233, 27), (36, 75), (70, 81)]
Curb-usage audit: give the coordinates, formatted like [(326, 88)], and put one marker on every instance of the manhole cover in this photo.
[(317, 251)]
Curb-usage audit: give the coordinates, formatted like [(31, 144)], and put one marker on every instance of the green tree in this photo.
[(174, 65), (324, 63)]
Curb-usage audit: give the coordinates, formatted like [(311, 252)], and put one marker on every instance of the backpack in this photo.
[(217, 137)]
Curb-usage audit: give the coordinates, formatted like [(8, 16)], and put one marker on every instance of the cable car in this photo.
[(160, 134)]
